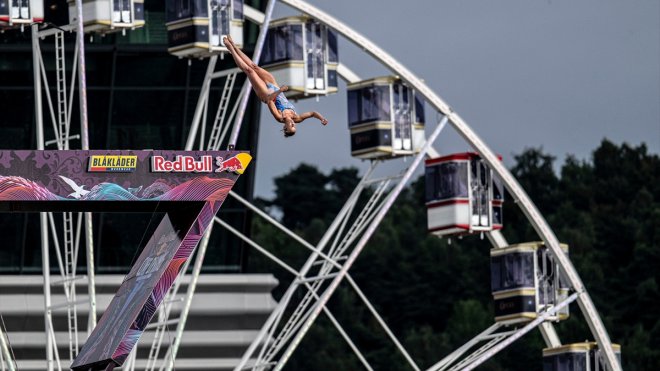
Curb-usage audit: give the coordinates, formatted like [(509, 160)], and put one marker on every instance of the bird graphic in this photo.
[(79, 191)]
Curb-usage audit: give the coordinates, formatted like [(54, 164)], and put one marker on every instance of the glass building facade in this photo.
[(139, 97)]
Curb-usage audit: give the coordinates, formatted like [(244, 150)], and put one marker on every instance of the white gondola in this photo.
[(385, 117), (462, 196), (195, 27), (576, 357), (302, 53), (525, 280), (107, 16), (19, 13)]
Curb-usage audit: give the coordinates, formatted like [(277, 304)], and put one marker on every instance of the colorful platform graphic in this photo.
[(188, 186)]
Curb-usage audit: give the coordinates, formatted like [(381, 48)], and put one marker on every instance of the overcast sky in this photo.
[(557, 74)]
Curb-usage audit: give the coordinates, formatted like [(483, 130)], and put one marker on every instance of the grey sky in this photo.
[(561, 75)]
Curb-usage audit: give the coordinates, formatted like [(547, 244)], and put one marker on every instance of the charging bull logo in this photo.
[(236, 164)]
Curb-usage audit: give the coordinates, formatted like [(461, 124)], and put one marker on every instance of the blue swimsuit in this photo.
[(281, 103)]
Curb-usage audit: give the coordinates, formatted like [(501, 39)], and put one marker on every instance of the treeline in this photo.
[(435, 294)]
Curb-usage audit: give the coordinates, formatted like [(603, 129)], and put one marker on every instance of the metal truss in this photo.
[(327, 266), (222, 122), (522, 199), (330, 259), (66, 239), (492, 341), (324, 258)]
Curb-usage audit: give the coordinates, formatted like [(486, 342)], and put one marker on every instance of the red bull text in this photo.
[(182, 164)]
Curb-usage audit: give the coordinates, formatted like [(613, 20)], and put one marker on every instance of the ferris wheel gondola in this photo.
[(577, 357), (108, 16), (302, 53), (462, 195), (385, 117), (195, 27), (525, 281), (19, 13)]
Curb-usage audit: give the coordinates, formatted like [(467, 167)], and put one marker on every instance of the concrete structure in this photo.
[(226, 314)]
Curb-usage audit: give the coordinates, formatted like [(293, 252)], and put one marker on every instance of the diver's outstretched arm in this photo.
[(304, 116)]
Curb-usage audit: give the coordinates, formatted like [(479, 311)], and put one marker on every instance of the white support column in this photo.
[(84, 136), (201, 102), (82, 77), (197, 268), (43, 219), (45, 266)]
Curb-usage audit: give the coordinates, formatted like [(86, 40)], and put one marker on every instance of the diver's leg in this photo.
[(258, 84), (263, 74)]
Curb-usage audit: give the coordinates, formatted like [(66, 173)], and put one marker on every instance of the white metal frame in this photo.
[(61, 120), (530, 210), (344, 245), (221, 125)]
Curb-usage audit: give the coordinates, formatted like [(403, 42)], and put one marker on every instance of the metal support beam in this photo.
[(360, 245), (530, 326), (201, 102), (533, 215), (382, 323), (453, 356), (334, 321), (197, 268), (67, 259), (275, 316)]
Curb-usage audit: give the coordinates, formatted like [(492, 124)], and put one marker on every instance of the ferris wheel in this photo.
[(533, 283)]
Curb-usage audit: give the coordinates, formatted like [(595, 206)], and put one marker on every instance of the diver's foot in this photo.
[(324, 121)]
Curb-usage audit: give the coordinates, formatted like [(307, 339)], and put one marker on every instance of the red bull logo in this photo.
[(188, 164), (182, 164), (236, 164)]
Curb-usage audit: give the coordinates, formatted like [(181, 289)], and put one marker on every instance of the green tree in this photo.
[(435, 293)]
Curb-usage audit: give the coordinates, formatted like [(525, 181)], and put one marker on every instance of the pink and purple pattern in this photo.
[(182, 254), (58, 180), (14, 188)]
